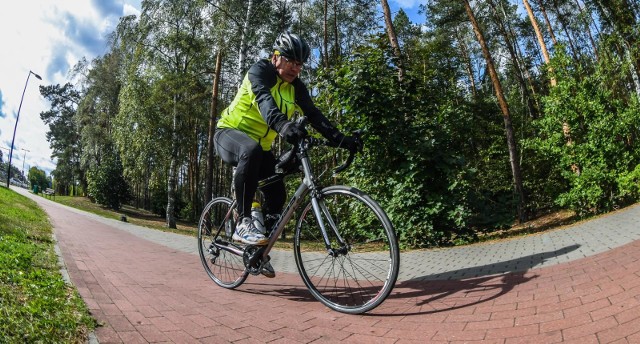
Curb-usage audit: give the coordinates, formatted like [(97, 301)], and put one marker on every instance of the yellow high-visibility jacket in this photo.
[(265, 102)]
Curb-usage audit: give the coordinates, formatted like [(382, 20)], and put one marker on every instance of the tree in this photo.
[(38, 177), (604, 132), (172, 54), (106, 185), (521, 72), (215, 93), (543, 46), (620, 16), (64, 135), (98, 108), (506, 115), (393, 39)]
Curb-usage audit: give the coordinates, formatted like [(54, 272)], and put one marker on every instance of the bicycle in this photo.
[(344, 245)]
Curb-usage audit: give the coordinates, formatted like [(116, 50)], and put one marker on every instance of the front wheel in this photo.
[(220, 256), (359, 269)]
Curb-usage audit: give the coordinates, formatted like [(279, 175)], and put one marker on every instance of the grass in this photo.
[(135, 216), (36, 305), (147, 219)]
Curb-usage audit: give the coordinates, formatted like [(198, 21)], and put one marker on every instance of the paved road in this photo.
[(576, 284)]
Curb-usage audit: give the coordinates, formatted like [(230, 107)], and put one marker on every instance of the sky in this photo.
[(48, 38)]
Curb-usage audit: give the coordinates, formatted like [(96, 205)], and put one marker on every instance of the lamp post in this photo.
[(16, 126)]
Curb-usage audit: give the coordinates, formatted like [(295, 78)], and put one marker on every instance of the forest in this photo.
[(489, 113)]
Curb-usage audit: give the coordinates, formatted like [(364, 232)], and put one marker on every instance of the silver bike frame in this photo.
[(307, 186)]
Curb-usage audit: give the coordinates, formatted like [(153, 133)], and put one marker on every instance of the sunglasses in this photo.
[(292, 62)]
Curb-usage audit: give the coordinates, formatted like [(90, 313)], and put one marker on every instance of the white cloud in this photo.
[(48, 38)]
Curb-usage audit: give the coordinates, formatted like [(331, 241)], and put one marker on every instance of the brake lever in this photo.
[(352, 155)]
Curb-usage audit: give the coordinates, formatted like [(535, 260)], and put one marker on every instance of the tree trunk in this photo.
[(504, 107), (468, 66), (543, 46), (546, 20), (336, 33), (633, 70), (393, 39), (242, 51), (194, 175), (325, 34), (173, 166), (524, 88), (208, 185), (525, 70), (588, 27)]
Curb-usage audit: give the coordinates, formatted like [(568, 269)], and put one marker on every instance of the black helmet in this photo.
[(292, 46)]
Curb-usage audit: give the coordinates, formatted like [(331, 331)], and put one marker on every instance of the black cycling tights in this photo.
[(252, 165)]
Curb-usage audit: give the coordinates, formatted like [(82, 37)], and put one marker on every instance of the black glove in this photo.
[(292, 132), (352, 143)]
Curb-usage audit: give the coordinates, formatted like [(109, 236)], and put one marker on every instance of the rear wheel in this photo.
[(220, 256), (359, 270)]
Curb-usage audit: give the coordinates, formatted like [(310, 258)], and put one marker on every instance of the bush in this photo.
[(411, 164), (106, 185), (589, 132)]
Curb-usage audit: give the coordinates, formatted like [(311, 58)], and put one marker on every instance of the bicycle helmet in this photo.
[(292, 46)]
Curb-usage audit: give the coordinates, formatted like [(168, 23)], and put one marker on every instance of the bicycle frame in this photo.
[(306, 187), (357, 268)]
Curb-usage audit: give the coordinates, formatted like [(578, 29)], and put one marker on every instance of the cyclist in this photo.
[(269, 95)]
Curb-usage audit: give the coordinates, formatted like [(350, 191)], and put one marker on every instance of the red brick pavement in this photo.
[(143, 292)]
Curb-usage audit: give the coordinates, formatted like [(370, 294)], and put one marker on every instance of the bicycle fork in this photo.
[(320, 209)]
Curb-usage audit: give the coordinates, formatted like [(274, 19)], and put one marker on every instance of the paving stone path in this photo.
[(578, 284)]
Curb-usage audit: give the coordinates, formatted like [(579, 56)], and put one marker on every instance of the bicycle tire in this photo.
[(224, 267), (353, 281)]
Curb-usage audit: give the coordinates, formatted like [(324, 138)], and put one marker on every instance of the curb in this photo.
[(92, 338)]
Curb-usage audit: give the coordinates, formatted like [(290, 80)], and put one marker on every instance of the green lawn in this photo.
[(36, 305), (147, 219), (135, 216)]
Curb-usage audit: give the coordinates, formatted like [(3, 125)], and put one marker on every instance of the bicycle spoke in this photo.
[(223, 266), (361, 269)]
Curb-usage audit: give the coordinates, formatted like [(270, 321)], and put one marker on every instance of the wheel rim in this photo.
[(356, 279), (223, 267)]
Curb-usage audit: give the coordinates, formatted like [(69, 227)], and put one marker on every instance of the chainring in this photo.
[(253, 253)]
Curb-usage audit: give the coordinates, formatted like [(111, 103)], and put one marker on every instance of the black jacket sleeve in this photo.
[(262, 76), (315, 116)]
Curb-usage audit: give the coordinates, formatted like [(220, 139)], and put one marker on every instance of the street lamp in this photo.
[(16, 126)]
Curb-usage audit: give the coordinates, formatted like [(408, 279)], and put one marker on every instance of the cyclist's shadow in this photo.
[(297, 293), (447, 291), (435, 293)]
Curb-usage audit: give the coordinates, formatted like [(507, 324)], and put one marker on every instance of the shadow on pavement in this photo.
[(513, 265), (438, 293), (433, 293), (298, 293)]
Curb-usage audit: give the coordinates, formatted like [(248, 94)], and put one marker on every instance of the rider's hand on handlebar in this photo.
[(292, 132), (352, 143)]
